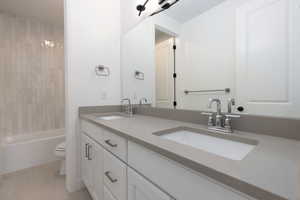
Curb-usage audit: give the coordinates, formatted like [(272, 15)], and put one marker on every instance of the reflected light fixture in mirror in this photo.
[(146, 7), (153, 7)]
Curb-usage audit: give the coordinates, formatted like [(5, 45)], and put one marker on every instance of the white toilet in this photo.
[(60, 151)]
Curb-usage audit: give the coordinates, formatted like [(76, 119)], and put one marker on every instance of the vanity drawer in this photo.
[(115, 144), (177, 180), (115, 175), (92, 130)]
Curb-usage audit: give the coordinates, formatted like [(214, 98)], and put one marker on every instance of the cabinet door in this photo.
[(84, 160), (86, 164), (97, 160), (141, 189), (115, 175)]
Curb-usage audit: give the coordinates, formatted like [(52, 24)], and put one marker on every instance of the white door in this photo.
[(97, 160), (164, 74), (140, 189), (268, 61)]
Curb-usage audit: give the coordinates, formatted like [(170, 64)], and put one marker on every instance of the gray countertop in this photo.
[(270, 171)]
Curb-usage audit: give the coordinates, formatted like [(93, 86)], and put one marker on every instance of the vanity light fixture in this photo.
[(162, 6)]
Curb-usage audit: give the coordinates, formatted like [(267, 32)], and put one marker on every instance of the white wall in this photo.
[(206, 57), (129, 15), (138, 54), (92, 32)]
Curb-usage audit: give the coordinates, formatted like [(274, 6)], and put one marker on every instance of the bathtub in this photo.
[(25, 151)]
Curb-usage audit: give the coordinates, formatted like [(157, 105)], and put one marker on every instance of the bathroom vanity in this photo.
[(230, 67), (141, 158)]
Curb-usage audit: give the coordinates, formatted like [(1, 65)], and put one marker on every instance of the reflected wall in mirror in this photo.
[(240, 49)]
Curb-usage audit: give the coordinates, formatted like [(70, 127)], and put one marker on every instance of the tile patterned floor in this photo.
[(38, 183)]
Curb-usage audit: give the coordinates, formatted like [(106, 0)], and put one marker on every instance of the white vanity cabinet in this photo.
[(98, 172), (141, 189), (181, 182), (123, 170), (102, 171)]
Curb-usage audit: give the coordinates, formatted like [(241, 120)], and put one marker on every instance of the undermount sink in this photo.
[(228, 146), (110, 117)]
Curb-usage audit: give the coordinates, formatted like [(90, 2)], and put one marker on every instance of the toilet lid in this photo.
[(61, 147)]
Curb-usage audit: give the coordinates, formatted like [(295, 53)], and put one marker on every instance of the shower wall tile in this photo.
[(32, 92)]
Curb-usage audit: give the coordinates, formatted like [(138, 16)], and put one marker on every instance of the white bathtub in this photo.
[(24, 151)]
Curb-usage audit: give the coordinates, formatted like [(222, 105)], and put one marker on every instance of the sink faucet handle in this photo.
[(231, 102), (232, 116), (210, 118), (207, 113), (228, 122), (128, 108)]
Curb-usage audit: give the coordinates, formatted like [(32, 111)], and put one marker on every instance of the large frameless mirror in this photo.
[(241, 52)]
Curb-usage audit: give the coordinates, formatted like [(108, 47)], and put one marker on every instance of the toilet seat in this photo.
[(60, 150)]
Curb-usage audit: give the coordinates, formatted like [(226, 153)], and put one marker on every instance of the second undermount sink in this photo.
[(228, 146), (110, 117)]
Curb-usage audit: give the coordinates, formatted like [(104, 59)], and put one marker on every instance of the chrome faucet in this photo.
[(219, 111), (143, 101), (219, 104), (222, 122), (228, 121), (231, 102), (128, 108)]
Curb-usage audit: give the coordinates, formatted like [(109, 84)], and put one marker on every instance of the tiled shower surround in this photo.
[(31, 76)]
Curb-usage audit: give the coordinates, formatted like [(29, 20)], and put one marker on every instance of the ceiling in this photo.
[(51, 11), (185, 10), (161, 36)]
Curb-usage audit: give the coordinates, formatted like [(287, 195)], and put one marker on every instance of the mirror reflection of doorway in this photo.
[(165, 82)]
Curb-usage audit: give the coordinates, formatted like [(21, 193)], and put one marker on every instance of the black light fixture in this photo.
[(142, 8), (164, 5)]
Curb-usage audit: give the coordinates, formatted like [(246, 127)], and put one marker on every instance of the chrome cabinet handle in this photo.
[(107, 174), (86, 150), (207, 113), (232, 116), (89, 152), (110, 144)]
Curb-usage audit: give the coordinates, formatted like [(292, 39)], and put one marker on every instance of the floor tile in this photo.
[(38, 183)]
